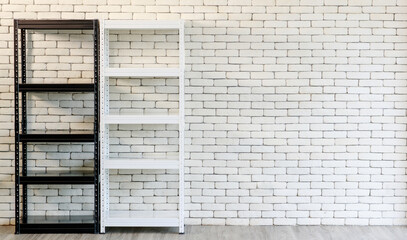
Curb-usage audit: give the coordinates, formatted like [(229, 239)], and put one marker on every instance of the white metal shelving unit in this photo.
[(139, 218)]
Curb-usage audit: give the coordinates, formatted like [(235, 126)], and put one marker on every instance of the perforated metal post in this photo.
[(16, 132), (102, 132), (96, 123), (181, 127), (24, 118), (104, 128)]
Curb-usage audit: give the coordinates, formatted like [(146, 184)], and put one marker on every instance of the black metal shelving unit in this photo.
[(24, 223)]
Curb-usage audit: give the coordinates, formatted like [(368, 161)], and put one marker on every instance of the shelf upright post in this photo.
[(104, 128), (101, 129), (24, 117), (181, 127), (96, 123), (16, 132)]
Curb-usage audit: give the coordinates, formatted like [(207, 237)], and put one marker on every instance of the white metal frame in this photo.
[(139, 218)]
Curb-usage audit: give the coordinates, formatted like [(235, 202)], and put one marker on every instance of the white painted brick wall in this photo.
[(295, 109)]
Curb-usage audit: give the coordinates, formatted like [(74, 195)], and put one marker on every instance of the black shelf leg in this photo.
[(16, 132), (24, 118), (96, 123)]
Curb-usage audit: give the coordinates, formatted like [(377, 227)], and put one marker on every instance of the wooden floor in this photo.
[(227, 232)]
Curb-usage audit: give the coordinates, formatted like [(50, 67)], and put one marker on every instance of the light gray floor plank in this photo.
[(228, 232)]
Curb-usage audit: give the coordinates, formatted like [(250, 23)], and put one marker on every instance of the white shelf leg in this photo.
[(104, 132), (106, 126), (181, 127)]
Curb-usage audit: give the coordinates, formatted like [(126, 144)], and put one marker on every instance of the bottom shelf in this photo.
[(58, 224), (142, 219)]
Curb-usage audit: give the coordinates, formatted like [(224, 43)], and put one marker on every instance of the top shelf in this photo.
[(142, 24), (56, 24), (57, 87)]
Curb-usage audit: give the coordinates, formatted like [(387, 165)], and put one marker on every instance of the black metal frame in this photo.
[(23, 224)]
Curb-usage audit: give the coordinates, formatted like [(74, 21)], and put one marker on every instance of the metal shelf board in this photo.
[(141, 24), (40, 87), (57, 228), (141, 119), (58, 224), (56, 137), (142, 219), (142, 72), (57, 178), (55, 24), (120, 163)]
